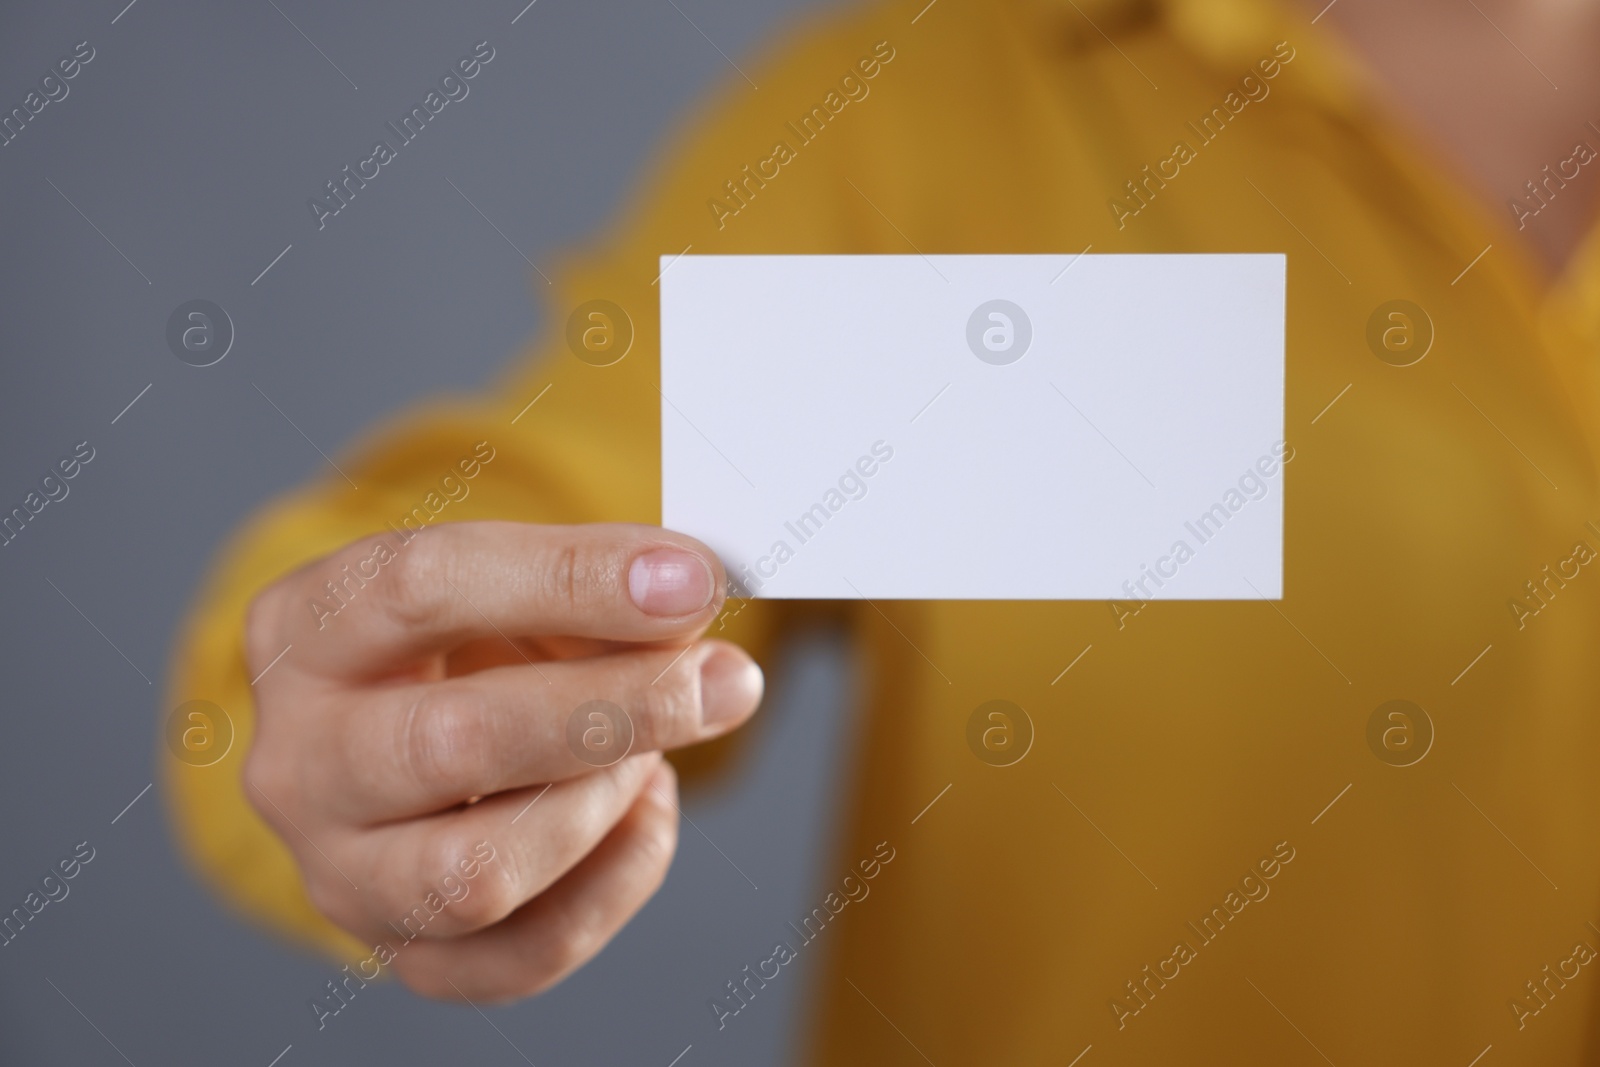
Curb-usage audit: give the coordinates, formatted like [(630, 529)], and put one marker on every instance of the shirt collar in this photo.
[(1229, 35)]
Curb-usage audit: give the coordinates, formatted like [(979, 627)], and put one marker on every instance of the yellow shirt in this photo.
[(1211, 853)]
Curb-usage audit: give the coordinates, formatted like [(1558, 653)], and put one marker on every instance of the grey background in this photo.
[(192, 141)]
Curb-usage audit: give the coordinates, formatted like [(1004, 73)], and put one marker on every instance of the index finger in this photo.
[(380, 603)]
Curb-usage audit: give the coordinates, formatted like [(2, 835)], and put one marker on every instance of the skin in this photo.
[(413, 728), (427, 716), (1484, 108)]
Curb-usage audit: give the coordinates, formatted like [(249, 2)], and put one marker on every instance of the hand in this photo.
[(412, 746)]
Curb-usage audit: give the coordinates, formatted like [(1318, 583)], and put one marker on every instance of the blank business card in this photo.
[(978, 427)]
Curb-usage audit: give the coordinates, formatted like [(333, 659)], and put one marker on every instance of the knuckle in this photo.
[(413, 907), (563, 580), (387, 901), (411, 592), (330, 900), (579, 576), (495, 896), (442, 737), (488, 898), (569, 946), (263, 622), (668, 710)]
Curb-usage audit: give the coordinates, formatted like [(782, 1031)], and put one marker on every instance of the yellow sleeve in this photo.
[(571, 442)]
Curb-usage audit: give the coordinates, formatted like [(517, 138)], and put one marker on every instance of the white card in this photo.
[(999, 427)]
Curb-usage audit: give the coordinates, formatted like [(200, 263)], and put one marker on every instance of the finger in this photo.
[(377, 605), (561, 929), (415, 749), (535, 836)]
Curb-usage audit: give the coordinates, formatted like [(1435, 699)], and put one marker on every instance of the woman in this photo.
[(1354, 825)]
